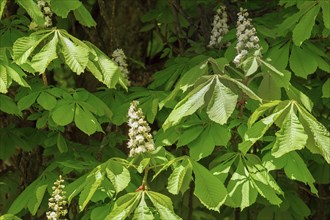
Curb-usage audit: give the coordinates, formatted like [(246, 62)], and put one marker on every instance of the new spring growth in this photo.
[(247, 41), (220, 28), (120, 59), (57, 203), (140, 139)]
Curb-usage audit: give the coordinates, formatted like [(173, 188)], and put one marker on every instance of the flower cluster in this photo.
[(220, 27), (45, 9), (57, 203), (246, 36), (140, 139), (120, 59)]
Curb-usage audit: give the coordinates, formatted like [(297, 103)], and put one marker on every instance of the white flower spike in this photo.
[(57, 203), (220, 28), (247, 42), (140, 139), (120, 59)]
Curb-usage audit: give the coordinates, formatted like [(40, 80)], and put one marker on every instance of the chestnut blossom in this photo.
[(46, 11), (220, 27), (247, 41), (120, 59), (140, 139), (57, 203)]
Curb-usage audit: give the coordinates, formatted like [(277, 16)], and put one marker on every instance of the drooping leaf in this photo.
[(222, 103), (187, 106), (93, 181), (27, 101), (2, 6), (180, 178), (142, 211), (301, 62), (318, 136), (61, 143), (24, 46), (33, 10), (124, 206), (62, 8), (258, 129), (326, 17), (208, 188), (84, 17), (8, 105), (290, 137), (241, 189), (47, 54), (296, 169), (279, 55), (76, 56), (303, 29), (163, 204), (118, 175)]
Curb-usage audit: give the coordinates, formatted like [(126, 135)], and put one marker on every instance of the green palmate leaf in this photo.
[(290, 137), (47, 54), (85, 121), (241, 189), (27, 101), (84, 17), (268, 89), (30, 198), (63, 115), (2, 6), (318, 136), (193, 101), (16, 74), (189, 134), (297, 95), (46, 100), (124, 206), (142, 212), (212, 135), (36, 200), (33, 10), (103, 68), (325, 11), (301, 62), (243, 87), (222, 103), (62, 8), (258, 129), (8, 105), (326, 89), (4, 84), (9, 217), (180, 179), (163, 204), (303, 29), (224, 164), (76, 56), (280, 78), (208, 188), (118, 175), (296, 169), (279, 55), (187, 80), (93, 181), (250, 66), (61, 143), (24, 46)]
